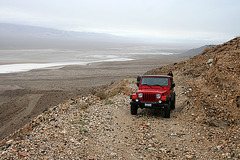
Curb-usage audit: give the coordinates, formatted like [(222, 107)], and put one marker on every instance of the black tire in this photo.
[(157, 111), (173, 103), (134, 109), (167, 109)]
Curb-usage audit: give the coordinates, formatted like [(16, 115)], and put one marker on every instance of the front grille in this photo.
[(148, 97)]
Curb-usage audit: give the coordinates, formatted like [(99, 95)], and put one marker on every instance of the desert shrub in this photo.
[(82, 122), (125, 90), (120, 89), (79, 122), (84, 105), (123, 82), (224, 48), (207, 49), (112, 93), (102, 95), (109, 102), (83, 129)]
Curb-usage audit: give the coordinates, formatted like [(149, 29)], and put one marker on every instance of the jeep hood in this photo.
[(150, 90)]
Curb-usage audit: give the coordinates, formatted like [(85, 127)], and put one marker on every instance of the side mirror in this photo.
[(138, 80), (173, 85)]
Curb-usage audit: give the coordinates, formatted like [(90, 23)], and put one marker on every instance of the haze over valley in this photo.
[(40, 47)]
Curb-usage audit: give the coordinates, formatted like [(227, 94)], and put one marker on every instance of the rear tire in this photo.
[(134, 109), (173, 103), (167, 109)]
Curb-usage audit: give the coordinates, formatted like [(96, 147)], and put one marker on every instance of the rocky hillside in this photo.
[(214, 81), (204, 125)]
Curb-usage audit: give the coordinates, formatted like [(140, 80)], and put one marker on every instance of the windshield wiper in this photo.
[(147, 85), (158, 85)]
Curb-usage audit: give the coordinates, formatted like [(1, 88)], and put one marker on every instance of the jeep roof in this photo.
[(157, 76)]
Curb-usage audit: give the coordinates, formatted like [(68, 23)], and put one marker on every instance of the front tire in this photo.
[(134, 109), (167, 109)]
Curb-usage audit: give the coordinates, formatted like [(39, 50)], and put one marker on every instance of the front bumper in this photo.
[(142, 104)]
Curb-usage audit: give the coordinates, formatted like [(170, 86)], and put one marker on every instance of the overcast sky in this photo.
[(203, 20)]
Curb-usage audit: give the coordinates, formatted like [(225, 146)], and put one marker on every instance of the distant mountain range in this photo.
[(193, 52), (14, 36)]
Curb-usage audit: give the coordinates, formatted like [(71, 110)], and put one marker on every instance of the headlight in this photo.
[(158, 96), (140, 95)]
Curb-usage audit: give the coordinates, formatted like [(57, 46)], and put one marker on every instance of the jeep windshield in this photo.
[(154, 81)]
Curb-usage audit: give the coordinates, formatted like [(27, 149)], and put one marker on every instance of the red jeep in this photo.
[(155, 91)]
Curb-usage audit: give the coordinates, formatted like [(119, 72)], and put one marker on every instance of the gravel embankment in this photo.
[(90, 128)]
